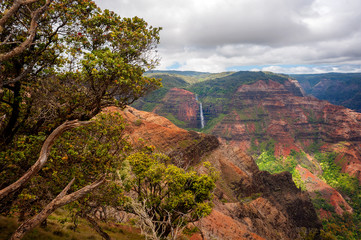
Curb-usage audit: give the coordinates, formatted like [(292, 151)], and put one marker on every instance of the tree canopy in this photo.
[(80, 59)]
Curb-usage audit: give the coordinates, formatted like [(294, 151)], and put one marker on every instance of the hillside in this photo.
[(268, 116), (149, 102), (338, 88)]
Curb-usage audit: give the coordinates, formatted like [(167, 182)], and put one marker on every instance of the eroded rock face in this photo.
[(267, 110), (319, 189), (286, 115), (249, 204), (182, 105), (280, 200)]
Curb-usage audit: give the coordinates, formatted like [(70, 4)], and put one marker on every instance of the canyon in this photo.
[(273, 112), (255, 112), (248, 203)]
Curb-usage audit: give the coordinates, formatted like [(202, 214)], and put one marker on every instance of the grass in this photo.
[(58, 231), (176, 121)]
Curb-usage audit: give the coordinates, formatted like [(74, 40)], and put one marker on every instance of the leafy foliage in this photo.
[(86, 154), (268, 162), (60, 231), (224, 87), (169, 196), (334, 177), (320, 203), (213, 90), (335, 227)]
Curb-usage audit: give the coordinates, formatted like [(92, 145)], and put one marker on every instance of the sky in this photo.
[(282, 36)]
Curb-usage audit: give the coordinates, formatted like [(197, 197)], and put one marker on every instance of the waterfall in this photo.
[(201, 113)]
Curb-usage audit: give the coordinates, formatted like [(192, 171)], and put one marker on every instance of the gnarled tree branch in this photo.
[(13, 9), (60, 200), (43, 157), (35, 16)]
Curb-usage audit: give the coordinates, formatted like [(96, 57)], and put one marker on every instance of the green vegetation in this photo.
[(314, 147), (215, 94), (267, 146), (320, 203), (57, 230), (213, 122), (164, 197), (225, 87), (268, 162), (176, 121), (153, 98), (347, 226), (190, 77), (333, 176), (170, 80), (250, 198), (138, 122)]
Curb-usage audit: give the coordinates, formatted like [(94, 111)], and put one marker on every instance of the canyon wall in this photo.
[(249, 203)]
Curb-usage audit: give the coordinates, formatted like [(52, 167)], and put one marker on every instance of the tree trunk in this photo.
[(44, 154), (9, 130), (60, 200), (97, 228)]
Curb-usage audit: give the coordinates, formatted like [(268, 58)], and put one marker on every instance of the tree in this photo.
[(61, 62), (164, 197), (79, 60), (85, 159)]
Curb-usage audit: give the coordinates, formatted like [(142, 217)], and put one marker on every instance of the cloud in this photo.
[(309, 69), (216, 35)]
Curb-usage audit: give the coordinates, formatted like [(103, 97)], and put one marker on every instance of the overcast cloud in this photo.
[(289, 36)]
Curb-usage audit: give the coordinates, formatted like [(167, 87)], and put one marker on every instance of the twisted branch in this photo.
[(43, 157)]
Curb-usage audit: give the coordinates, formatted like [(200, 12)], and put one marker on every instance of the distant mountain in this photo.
[(150, 101), (338, 88), (214, 90), (183, 73)]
